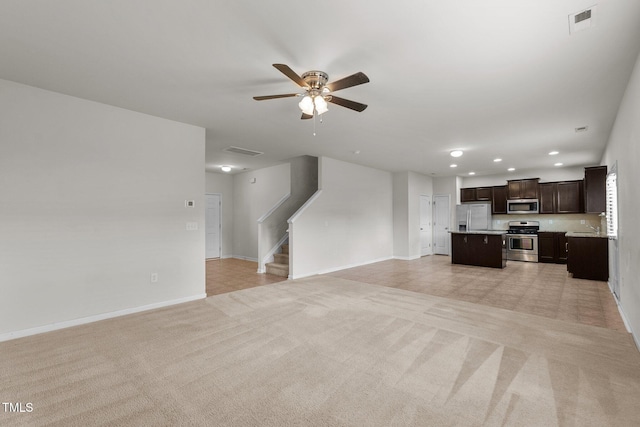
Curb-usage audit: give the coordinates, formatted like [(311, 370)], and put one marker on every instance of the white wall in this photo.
[(251, 201), (92, 201), (223, 184), (401, 215), (349, 224), (623, 147)]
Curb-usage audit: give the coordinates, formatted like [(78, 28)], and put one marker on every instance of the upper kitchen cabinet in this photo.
[(499, 199), (595, 182), (522, 189), (548, 193), (477, 194), (570, 197), (561, 197)]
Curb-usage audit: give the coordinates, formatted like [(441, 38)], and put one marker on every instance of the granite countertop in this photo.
[(492, 232), (586, 234)]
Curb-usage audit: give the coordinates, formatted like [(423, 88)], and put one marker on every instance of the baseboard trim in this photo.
[(627, 325), (343, 267), (408, 258), (246, 258), (84, 320)]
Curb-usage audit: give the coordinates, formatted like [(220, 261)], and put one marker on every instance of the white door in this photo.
[(441, 219), (212, 226), (425, 226)]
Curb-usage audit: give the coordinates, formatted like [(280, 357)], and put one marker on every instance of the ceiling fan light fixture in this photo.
[(321, 104), (306, 105)]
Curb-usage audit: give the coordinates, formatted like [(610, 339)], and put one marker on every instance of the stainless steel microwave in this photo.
[(523, 206)]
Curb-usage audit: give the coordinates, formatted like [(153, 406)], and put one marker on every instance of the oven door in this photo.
[(522, 247)]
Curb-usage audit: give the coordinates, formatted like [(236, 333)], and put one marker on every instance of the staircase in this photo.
[(280, 264)]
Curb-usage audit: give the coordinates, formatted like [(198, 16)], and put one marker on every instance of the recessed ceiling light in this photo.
[(497, 160), (557, 164), (472, 173), (456, 153), (511, 169), (453, 166), (553, 153), (225, 168)]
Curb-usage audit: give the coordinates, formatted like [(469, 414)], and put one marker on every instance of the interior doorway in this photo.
[(212, 225), (441, 224)]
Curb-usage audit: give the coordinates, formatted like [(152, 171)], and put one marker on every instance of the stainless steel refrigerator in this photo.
[(473, 216)]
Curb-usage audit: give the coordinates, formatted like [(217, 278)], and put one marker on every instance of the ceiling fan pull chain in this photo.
[(314, 124)]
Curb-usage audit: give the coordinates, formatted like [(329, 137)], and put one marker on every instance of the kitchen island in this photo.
[(588, 255), (483, 248)]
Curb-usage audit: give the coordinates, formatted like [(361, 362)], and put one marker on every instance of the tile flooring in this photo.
[(232, 274), (540, 289)]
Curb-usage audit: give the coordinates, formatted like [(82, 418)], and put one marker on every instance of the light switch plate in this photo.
[(191, 226)]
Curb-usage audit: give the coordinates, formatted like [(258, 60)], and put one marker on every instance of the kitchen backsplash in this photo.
[(562, 222)]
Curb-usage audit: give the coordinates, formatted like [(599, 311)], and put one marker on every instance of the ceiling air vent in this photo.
[(582, 20), (242, 151)]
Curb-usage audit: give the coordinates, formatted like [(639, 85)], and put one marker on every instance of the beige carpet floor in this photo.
[(324, 351)]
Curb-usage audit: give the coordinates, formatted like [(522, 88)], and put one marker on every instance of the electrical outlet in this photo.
[(582, 221), (191, 226), (154, 277)]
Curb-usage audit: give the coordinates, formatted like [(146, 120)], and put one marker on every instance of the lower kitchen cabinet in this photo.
[(588, 258), (552, 247), (484, 250)]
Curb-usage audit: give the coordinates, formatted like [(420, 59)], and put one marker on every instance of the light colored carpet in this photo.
[(324, 351)]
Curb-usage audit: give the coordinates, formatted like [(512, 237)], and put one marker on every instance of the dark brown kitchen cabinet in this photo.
[(561, 197), (570, 197), (475, 194), (595, 189), (522, 189), (552, 247), (548, 193), (499, 199), (483, 194), (483, 250), (588, 258), (467, 195)]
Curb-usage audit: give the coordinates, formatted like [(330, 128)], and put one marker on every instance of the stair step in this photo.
[(281, 270), (285, 248), (281, 258)]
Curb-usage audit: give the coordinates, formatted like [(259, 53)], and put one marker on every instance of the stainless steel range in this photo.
[(522, 241)]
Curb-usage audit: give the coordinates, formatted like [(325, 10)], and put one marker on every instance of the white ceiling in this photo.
[(496, 78)]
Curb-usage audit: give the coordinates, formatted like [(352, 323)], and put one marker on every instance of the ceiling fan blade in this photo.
[(352, 80), (346, 103), (284, 69), (306, 116), (286, 95)]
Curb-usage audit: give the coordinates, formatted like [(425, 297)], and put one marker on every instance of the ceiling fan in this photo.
[(318, 92)]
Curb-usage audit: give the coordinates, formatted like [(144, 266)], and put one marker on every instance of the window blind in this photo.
[(612, 205)]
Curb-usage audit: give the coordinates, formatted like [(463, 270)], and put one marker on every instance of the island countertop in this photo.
[(586, 234)]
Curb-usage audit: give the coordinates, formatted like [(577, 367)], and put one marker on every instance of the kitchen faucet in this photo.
[(596, 229)]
